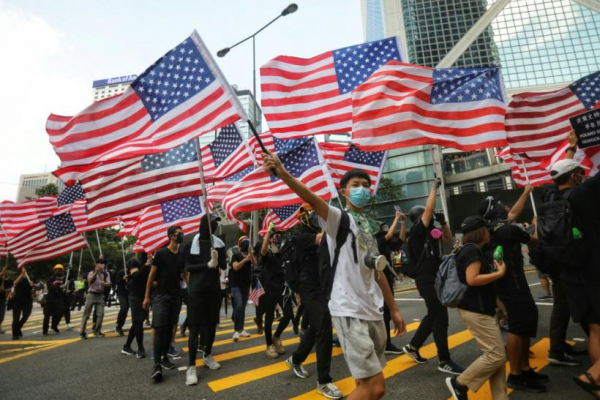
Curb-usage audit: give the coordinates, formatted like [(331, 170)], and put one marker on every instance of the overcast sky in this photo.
[(53, 50)]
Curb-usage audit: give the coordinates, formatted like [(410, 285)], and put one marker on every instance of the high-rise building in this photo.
[(105, 88), (252, 108), (28, 183)]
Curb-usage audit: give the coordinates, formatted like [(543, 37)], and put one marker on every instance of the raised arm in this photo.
[(390, 233), (430, 205), (573, 143), (517, 209)]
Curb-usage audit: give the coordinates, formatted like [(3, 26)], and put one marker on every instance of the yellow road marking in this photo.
[(245, 352), (32, 352), (395, 365), (24, 348), (242, 339)]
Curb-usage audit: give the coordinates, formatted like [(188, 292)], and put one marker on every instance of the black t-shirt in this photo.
[(419, 238), (479, 299), (169, 268), (385, 248), (273, 274), (510, 237), (137, 283), (240, 278), (308, 279), (121, 283), (23, 291), (55, 293), (6, 284)]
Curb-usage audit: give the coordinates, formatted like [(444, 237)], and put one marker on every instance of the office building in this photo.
[(252, 109), (105, 88), (28, 183)]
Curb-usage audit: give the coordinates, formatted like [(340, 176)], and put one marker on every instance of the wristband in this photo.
[(443, 223), (573, 149)]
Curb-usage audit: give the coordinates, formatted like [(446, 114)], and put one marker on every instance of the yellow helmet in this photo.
[(58, 266)]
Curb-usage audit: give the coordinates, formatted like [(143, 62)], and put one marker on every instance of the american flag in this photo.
[(17, 217), (342, 158), (3, 240), (267, 140), (305, 96), (537, 123), (155, 220), (227, 155), (537, 174), (120, 187), (48, 239), (80, 218), (284, 218), (405, 105), (216, 193), (259, 189), (256, 293), (129, 222), (181, 96)]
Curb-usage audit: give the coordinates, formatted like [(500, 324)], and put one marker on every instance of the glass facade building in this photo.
[(375, 26)]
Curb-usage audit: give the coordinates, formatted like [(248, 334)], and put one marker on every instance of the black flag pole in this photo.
[(260, 142)]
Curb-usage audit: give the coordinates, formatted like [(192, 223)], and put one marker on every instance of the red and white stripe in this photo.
[(392, 109), (537, 123), (537, 174), (240, 159), (268, 142), (280, 225), (80, 218), (120, 127), (17, 217), (129, 223)]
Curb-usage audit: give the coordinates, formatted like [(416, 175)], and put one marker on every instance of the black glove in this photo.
[(437, 182), (440, 217)]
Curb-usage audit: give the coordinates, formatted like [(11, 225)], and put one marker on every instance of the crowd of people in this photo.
[(331, 273)]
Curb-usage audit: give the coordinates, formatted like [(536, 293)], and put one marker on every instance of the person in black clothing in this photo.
[(22, 304), (5, 286), (387, 243), (242, 263), (68, 293), (319, 331), (276, 292), (167, 268), (138, 278), (580, 285), (122, 295), (255, 279), (55, 299), (513, 290), (424, 249), (203, 262), (477, 310)]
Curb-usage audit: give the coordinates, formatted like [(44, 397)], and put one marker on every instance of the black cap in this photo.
[(214, 217), (473, 223)]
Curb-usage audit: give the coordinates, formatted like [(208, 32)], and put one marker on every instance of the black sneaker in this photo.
[(127, 350), (414, 354), (575, 350), (450, 368), (167, 364), (535, 376), (141, 353), (563, 359), (99, 334), (119, 331), (391, 349), (458, 392), (83, 335), (157, 373), (518, 382), (55, 329)]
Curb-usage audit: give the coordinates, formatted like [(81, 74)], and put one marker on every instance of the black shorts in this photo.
[(204, 308), (137, 311), (582, 290), (165, 309), (522, 314)]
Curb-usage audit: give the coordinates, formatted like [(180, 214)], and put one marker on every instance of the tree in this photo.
[(387, 191), (49, 190)]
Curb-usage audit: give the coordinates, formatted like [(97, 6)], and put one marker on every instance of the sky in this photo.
[(53, 50)]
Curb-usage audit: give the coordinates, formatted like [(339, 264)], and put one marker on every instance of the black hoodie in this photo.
[(202, 278)]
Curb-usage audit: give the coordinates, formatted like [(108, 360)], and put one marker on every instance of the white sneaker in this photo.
[(191, 378), (69, 327), (244, 334), (210, 362), (329, 390), (236, 336)]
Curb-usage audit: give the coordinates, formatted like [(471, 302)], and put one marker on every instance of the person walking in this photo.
[(98, 281), (242, 263), (55, 299), (121, 288), (138, 278), (22, 304)]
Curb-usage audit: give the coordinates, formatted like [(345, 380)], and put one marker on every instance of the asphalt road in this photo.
[(61, 366)]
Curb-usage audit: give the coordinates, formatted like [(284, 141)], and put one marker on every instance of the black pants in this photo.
[(123, 310), (2, 307), (21, 312), (387, 315), (319, 333), (67, 309), (52, 309), (270, 302), (436, 322)]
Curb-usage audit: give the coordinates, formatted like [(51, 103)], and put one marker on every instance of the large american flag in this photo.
[(285, 218), (3, 240), (17, 217), (120, 187), (538, 175), (154, 221), (267, 139), (537, 123), (129, 222), (48, 239), (342, 158), (405, 105), (305, 96), (80, 218), (227, 155), (181, 96), (259, 189)]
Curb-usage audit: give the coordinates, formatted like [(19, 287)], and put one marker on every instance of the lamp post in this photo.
[(223, 52)]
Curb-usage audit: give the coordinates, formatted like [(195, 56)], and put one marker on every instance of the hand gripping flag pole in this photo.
[(528, 182), (204, 192)]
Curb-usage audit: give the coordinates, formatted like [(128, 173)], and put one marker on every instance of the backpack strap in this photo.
[(340, 239)]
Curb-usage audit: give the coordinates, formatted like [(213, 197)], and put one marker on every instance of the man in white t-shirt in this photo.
[(358, 292)]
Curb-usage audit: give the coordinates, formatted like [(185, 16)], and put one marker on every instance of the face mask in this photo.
[(578, 178), (274, 248), (435, 233), (359, 197), (179, 238)]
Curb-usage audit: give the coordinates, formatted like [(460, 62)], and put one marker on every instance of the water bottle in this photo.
[(577, 234), (499, 253), (272, 226)]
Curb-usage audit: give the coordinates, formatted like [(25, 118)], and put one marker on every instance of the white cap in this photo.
[(564, 166)]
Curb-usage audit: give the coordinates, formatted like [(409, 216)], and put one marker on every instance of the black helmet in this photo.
[(415, 213)]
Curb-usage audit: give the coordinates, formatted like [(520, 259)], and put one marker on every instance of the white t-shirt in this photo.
[(355, 292)]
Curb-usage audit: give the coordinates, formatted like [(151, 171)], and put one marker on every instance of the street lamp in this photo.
[(292, 8)]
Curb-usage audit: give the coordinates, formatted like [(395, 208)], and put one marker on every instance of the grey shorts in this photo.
[(363, 343)]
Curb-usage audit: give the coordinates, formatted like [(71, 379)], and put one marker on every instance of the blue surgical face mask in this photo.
[(359, 196)]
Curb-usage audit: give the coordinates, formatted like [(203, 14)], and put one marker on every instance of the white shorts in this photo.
[(363, 343)]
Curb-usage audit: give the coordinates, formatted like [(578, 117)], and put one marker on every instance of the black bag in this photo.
[(291, 263), (327, 267), (555, 223), (413, 265)]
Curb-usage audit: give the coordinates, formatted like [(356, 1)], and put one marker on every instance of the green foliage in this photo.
[(49, 190)]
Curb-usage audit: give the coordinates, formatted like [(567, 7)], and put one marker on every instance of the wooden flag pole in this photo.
[(528, 182), (204, 193)]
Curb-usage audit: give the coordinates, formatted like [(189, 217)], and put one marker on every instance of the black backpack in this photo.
[(556, 244), (327, 267), (291, 263), (413, 265)]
